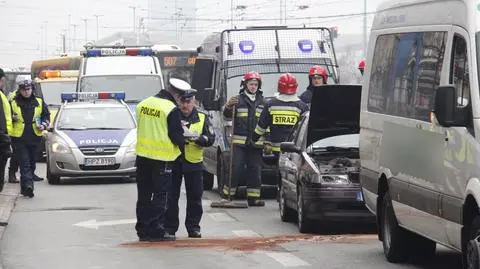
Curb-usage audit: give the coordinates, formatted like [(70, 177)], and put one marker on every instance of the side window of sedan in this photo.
[(300, 137)]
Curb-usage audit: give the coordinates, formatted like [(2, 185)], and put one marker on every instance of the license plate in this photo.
[(360, 196), (99, 161)]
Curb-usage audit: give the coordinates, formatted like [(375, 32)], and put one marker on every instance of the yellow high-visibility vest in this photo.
[(194, 152), (19, 124), (153, 141)]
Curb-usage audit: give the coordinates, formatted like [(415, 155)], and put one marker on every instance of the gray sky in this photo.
[(22, 20)]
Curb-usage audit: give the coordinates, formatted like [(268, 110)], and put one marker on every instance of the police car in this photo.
[(94, 134)]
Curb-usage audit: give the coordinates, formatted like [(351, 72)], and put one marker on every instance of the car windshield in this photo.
[(120, 65), (340, 141), (136, 87), (51, 91), (85, 118), (269, 84)]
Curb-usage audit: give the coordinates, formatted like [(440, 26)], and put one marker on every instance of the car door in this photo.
[(293, 161)]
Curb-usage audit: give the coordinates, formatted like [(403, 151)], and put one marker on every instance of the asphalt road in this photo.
[(90, 224)]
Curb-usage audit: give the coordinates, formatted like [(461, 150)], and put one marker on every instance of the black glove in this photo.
[(201, 140)]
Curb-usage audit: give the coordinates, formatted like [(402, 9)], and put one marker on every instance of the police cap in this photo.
[(182, 88)]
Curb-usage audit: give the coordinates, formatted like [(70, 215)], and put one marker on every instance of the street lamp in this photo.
[(96, 17), (134, 16)]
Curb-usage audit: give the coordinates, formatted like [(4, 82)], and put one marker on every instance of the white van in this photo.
[(420, 127)]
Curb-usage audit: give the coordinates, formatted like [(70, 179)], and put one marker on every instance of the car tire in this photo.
[(395, 238), (223, 172), (471, 258), (52, 179), (207, 181), (304, 223), (286, 213)]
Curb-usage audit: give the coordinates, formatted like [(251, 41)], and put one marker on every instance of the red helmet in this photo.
[(317, 70), (252, 75), (361, 65), (287, 84)]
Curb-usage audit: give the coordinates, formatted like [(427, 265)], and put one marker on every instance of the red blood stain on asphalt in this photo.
[(252, 243)]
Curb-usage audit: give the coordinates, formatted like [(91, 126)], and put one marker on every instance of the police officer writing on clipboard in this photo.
[(160, 142), (198, 134)]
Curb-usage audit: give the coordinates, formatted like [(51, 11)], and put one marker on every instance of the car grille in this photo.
[(100, 167), (98, 151), (354, 177)]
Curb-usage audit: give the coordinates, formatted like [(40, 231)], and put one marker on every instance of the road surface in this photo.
[(89, 224)]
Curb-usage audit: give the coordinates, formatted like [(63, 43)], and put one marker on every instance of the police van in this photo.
[(89, 140), (133, 70), (419, 138), (270, 50)]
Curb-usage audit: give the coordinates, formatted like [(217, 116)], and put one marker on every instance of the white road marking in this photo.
[(220, 217), (245, 233), (287, 259)]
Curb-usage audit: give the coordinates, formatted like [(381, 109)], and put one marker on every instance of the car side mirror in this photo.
[(445, 107), (289, 147)]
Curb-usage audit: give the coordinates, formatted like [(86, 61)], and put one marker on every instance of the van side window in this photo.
[(459, 70), (405, 73)]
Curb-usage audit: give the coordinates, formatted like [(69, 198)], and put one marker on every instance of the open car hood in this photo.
[(335, 110)]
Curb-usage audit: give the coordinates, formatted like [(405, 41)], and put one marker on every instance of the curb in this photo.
[(8, 197)]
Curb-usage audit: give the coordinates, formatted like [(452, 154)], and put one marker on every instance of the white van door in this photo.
[(459, 141)]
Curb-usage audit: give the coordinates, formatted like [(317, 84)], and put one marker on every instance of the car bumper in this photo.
[(336, 204), (72, 164)]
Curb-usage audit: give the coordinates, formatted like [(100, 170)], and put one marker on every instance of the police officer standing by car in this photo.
[(198, 134), (247, 155), (5, 129), (317, 76), (14, 162), (160, 142), (30, 117), (280, 114)]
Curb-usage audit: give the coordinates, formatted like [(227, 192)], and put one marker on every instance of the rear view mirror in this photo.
[(289, 147), (204, 74), (445, 106)]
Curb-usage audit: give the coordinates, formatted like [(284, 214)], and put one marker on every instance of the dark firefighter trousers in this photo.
[(153, 183), (194, 190), (247, 164)]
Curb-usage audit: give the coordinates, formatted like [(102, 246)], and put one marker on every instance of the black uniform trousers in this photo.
[(247, 164), (14, 163), (153, 183), (26, 154), (194, 190)]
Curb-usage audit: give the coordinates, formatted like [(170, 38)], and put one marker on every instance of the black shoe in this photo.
[(165, 237), (255, 202), (144, 239), (28, 192), (195, 234), (37, 178), (12, 178)]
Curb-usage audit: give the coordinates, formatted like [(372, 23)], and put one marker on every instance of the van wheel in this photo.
[(223, 172), (207, 181), (286, 213), (471, 257), (52, 179), (395, 242)]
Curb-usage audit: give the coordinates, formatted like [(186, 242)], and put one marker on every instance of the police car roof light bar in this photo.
[(44, 74), (119, 52), (80, 96)]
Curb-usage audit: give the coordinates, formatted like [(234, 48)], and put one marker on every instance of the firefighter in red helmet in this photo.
[(317, 76), (280, 115), (361, 66), (247, 154)]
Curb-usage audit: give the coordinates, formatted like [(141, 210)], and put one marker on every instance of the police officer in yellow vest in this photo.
[(198, 134), (30, 117), (160, 142), (14, 165), (5, 129)]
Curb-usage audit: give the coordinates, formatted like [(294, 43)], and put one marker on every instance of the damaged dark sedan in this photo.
[(320, 164)]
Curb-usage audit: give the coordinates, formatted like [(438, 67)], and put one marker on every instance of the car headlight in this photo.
[(331, 179), (132, 147), (60, 147)]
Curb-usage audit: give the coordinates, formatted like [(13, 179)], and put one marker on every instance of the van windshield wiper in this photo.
[(333, 148)]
